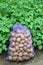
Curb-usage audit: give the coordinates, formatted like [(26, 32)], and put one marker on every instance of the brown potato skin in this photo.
[(20, 46)]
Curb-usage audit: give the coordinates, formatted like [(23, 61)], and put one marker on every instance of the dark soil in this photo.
[(37, 60)]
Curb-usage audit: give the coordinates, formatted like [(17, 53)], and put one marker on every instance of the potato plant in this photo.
[(26, 12)]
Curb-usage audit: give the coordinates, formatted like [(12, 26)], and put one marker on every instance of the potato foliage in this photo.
[(26, 12)]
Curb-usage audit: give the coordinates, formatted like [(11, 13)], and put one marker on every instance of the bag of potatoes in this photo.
[(20, 46)]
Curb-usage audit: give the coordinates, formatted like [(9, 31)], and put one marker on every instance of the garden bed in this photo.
[(37, 60)]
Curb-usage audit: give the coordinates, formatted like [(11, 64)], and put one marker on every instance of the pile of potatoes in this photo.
[(20, 47)]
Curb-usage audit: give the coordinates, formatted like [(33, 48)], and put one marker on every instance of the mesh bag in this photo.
[(20, 46)]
